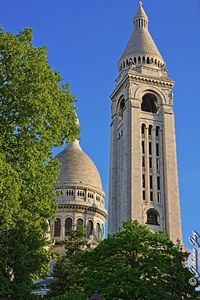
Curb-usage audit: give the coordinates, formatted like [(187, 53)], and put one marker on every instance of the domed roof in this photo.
[(141, 41), (77, 168)]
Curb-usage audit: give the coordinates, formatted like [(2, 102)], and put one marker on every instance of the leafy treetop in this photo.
[(133, 264), (37, 112)]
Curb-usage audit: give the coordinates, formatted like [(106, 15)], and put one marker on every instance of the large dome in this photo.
[(77, 168)]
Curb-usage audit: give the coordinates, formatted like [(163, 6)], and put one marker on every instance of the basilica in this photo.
[(143, 162)]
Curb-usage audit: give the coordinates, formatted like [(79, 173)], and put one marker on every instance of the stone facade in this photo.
[(143, 163)]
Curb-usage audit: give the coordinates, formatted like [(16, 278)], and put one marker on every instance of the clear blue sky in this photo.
[(85, 39)]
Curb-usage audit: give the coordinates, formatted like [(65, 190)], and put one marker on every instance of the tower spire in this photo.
[(141, 48), (141, 18)]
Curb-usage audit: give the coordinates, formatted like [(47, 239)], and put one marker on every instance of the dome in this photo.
[(77, 168), (141, 43)]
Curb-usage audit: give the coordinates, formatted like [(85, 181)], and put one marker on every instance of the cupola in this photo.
[(141, 49)]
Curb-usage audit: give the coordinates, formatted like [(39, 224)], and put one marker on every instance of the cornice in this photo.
[(81, 208), (144, 79)]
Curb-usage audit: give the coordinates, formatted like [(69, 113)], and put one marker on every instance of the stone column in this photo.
[(162, 190), (113, 173), (75, 193), (135, 165), (154, 165), (147, 165), (62, 233)]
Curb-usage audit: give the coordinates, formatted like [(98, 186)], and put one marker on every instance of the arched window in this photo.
[(158, 183), (102, 231), (121, 107), (89, 228), (143, 59), (81, 194), (152, 217), (68, 225), (143, 129), (150, 130), (98, 198), (91, 195), (57, 227), (139, 60), (143, 147), (79, 223), (143, 181), (149, 103), (157, 131), (98, 231)]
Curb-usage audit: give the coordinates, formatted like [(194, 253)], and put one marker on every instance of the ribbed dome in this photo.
[(141, 43), (77, 168)]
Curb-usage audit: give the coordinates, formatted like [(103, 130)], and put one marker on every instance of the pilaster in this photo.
[(136, 180), (173, 215)]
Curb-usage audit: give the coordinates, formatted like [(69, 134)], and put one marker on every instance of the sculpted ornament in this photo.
[(169, 96)]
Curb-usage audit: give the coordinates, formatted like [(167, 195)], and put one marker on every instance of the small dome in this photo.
[(77, 168)]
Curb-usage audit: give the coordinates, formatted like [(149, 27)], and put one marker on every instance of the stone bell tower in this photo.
[(143, 163)]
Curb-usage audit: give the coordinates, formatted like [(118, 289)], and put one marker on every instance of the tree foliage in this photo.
[(36, 113), (67, 265), (134, 264), (70, 296)]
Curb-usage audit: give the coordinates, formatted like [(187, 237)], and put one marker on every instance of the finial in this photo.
[(140, 3)]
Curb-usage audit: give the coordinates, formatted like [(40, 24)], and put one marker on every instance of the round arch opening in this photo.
[(149, 103), (152, 217), (121, 107)]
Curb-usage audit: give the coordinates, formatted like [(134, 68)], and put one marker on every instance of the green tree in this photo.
[(36, 113), (135, 263), (70, 296), (67, 265)]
